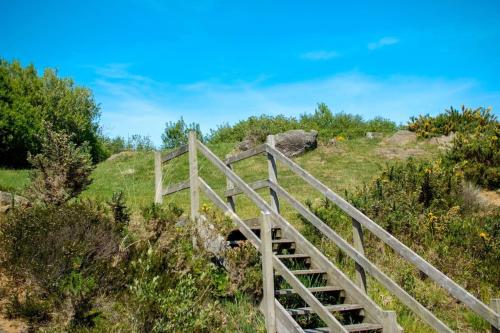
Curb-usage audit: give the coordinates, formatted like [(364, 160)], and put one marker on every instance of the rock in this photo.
[(296, 142), (7, 199), (373, 135), (246, 144), (401, 138), (443, 141), (209, 238)]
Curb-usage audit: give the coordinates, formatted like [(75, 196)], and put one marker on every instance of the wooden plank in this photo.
[(357, 236), (246, 154), (495, 305), (358, 257), (230, 186), (175, 153), (255, 186), (284, 322), (306, 295), (273, 174), (193, 176), (176, 187), (267, 271), (437, 276), (158, 178)]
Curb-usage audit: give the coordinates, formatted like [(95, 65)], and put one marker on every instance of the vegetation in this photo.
[(176, 133), (476, 148), (27, 100), (322, 120)]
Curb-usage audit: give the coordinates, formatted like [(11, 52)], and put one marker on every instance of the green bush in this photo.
[(465, 121), (68, 253), (477, 155), (176, 133), (327, 124), (28, 100)]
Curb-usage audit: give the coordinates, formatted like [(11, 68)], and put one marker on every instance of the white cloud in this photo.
[(319, 55), (385, 41), (144, 106)]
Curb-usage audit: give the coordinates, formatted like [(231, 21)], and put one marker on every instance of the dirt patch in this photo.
[(490, 197), (399, 152), (400, 138)]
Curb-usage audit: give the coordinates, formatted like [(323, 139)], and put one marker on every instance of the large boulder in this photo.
[(8, 199), (296, 142)]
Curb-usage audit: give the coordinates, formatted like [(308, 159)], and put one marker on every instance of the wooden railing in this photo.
[(236, 186)]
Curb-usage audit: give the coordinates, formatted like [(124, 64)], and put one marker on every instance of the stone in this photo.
[(401, 138), (6, 200), (296, 142), (373, 135)]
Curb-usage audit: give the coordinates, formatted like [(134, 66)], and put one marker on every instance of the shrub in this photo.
[(322, 120), (28, 100), (67, 252), (62, 169), (465, 121), (477, 155), (176, 133)]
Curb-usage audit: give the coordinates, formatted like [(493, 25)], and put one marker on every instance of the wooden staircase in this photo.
[(310, 294), (338, 296)]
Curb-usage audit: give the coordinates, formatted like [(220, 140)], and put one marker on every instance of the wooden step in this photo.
[(363, 327), (331, 308), (283, 241), (305, 272), (311, 289), (293, 256)]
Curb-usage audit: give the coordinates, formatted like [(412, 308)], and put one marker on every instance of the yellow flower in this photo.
[(340, 138), (484, 235)]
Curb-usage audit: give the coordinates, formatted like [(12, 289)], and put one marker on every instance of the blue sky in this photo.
[(149, 62)]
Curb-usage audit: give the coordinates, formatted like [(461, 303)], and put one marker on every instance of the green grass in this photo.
[(14, 180)]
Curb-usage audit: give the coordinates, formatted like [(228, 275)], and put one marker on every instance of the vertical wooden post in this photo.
[(495, 306), (193, 175), (390, 323), (229, 186), (158, 179), (267, 271), (357, 235), (273, 174)]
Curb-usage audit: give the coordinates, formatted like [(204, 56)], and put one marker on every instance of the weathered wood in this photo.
[(391, 323), (255, 186), (230, 186), (284, 322), (495, 305), (369, 267), (437, 276), (308, 297), (267, 271), (175, 153), (176, 187), (193, 176), (246, 154), (158, 178), (371, 307), (273, 174), (357, 237)]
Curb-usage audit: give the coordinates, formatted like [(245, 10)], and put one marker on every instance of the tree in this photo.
[(62, 169), (176, 133), (27, 100)]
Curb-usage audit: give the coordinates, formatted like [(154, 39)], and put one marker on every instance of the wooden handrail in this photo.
[(358, 257), (246, 154), (175, 153), (437, 276)]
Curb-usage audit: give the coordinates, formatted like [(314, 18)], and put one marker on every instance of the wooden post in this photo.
[(158, 179), (357, 235), (495, 306), (229, 186), (273, 174), (193, 175), (267, 271), (390, 324)]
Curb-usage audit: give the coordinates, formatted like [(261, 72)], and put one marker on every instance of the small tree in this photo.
[(176, 133), (62, 169)]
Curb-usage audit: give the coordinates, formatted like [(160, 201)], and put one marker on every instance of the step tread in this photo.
[(305, 272), (331, 308), (363, 327), (282, 240), (311, 289), (293, 256)]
